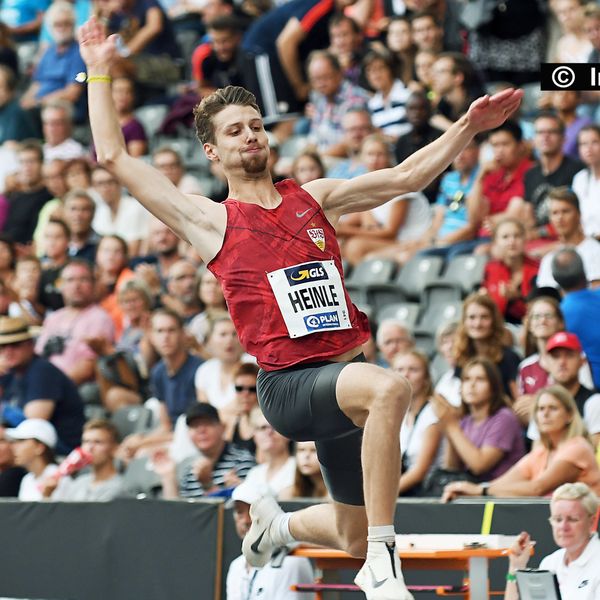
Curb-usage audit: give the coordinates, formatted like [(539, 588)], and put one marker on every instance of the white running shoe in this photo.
[(381, 576), (258, 545)]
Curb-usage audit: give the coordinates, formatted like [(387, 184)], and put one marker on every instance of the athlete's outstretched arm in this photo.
[(193, 218), (373, 189)]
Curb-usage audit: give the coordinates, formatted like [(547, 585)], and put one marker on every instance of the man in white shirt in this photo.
[(118, 213), (57, 123), (565, 217), (270, 582)]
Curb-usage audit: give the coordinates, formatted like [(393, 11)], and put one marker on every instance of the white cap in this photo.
[(34, 429), (246, 492)]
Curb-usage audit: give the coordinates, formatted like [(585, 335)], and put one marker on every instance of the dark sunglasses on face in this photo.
[(246, 388)]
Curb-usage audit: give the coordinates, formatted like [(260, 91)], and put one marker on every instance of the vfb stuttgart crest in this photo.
[(317, 235)]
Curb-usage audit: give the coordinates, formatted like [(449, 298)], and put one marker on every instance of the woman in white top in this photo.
[(573, 509), (420, 435), (214, 378), (277, 467), (402, 219), (586, 183)]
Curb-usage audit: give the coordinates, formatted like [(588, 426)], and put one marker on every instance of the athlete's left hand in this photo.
[(488, 112)]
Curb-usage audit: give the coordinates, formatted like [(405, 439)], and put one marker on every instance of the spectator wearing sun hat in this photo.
[(273, 580), (34, 442), (32, 387)]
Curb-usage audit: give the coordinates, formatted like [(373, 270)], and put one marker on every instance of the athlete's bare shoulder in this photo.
[(320, 189), (204, 224)]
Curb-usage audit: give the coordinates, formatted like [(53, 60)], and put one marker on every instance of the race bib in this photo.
[(310, 297)]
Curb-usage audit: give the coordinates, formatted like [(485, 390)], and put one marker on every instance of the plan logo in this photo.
[(326, 320)]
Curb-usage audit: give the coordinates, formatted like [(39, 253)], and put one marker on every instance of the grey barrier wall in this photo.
[(122, 550), (165, 550)]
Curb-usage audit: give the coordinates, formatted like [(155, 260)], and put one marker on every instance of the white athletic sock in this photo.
[(280, 530), (382, 533)]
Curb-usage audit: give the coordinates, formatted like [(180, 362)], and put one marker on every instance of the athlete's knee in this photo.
[(392, 393)]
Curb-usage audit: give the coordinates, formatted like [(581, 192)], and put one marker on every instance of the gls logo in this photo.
[(306, 273), (326, 320)]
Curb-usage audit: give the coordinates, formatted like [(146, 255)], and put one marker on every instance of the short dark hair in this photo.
[(546, 114), (79, 262), (568, 269), (340, 17), (511, 127), (374, 55), (214, 103), (246, 369), (565, 194), (32, 145), (56, 221), (461, 64), (225, 23), (425, 14), (167, 312)]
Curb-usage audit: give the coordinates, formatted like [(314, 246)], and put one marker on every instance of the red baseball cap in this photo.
[(564, 339)]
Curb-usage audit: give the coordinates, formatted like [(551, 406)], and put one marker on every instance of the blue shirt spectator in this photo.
[(39, 381), (581, 309), (19, 13), (176, 390), (452, 197)]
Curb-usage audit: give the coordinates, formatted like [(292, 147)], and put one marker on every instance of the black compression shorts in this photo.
[(300, 403)]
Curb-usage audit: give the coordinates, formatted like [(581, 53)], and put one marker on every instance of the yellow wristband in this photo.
[(83, 78), (100, 78)]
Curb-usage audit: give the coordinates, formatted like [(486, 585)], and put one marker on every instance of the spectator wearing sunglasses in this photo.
[(239, 416)]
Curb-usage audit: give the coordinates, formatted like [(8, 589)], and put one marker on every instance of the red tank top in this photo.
[(281, 274)]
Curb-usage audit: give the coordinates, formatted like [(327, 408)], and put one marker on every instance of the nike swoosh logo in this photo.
[(301, 214), (255, 544), (374, 582)]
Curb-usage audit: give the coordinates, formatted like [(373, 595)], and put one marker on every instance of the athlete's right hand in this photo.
[(97, 49)]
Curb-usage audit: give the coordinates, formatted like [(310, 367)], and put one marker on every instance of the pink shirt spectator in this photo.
[(501, 431), (577, 451), (75, 328)]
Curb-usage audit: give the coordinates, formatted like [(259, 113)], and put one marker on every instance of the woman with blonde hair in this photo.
[(481, 332), (420, 434), (573, 518), (564, 454)]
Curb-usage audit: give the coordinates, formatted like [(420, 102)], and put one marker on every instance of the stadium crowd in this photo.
[(480, 288)]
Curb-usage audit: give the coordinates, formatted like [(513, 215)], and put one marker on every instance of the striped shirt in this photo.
[(231, 459), (389, 114)]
